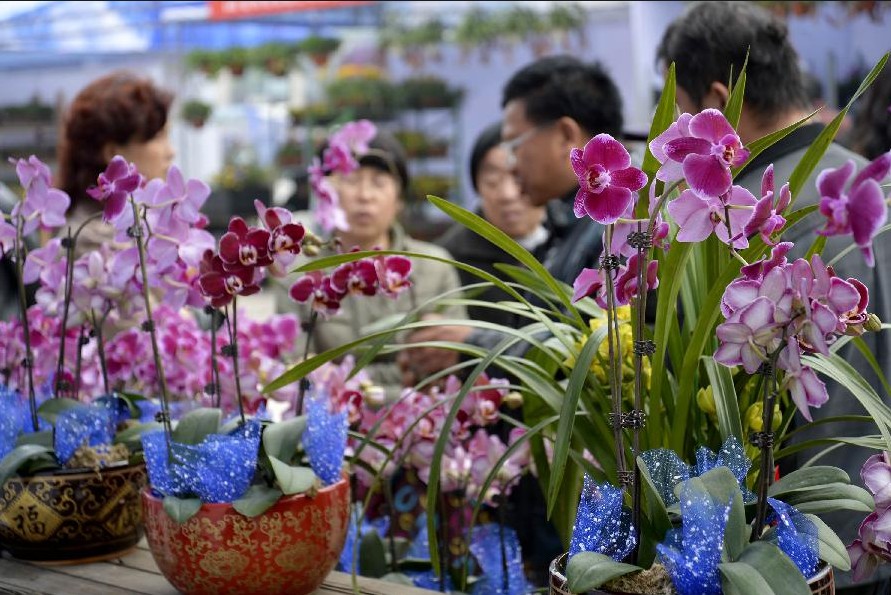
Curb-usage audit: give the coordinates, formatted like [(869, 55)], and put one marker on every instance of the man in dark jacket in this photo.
[(705, 43), (549, 107), (502, 205)]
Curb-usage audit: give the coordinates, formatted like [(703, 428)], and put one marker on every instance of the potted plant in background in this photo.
[(572, 384), (276, 57), (425, 92), (319, 49), (565, 18), (71, 465), (204, 61), (235, 59), (196, 112)]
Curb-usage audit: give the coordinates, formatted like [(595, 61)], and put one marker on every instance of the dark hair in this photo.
[(563, 86), (385, 154), (711, 38), (488, 139), (870, 134), (118, 108)]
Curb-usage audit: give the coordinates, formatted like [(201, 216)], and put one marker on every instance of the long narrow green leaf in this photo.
[(777, 569), (758, 146), (662, 119), (502, 240), (832, 550), (873, 363), (741, 579), (17, 457), (589, 570), (817, 148), (733, 109), (726, 401), (567, 413)]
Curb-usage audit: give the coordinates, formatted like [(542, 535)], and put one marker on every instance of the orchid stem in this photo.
[(301, 390), (214, 366), (20, 255), (81, 341), (150, 325), (233, 340), (612, 336), (100, 344), (765, 476)]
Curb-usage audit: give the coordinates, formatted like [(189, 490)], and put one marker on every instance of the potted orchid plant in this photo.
[(689, 386)]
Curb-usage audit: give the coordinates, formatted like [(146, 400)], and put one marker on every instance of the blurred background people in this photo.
[(119, 114), (502, 205), (371, 199), (870, 133)]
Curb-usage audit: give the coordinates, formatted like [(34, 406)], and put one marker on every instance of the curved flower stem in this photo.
[(28, 364), (150, 325), (214, 365), (69, 243), (638, 333), (233, 341), (81, 341), (100, 344), (304, 382), (612, 337), (765, 475), (662, 200)]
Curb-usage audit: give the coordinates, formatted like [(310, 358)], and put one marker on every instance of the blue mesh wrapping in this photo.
[(602, 523), (796, 536), (325, 440), (81, 426)]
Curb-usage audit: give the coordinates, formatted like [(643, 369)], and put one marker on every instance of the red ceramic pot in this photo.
[(72, 516), (290, 548)]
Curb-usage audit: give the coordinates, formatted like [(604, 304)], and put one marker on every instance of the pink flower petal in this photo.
[(706, 175), (578, 205), (831, 181), (576, 158), (877, 170), (678, 149), (587, 283), (631, 178), (606, 151), (711, 124), (608, 206), (758, 314), (729, 354), (868, 211), (767, 180), (693, 216)]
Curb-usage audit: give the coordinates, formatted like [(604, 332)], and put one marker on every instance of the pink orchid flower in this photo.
[(876, 475), (358, 277), (220, 285), (767, 217), (43, 204), (627, 282), (38, 260), (706, 154), (285, 237), (805, 388), (861, 211), (606, 179), (393, 274), (243, 246), (115, 184), (748, 336), (590, 282), (317, 287), (355, 135), (699, 217)]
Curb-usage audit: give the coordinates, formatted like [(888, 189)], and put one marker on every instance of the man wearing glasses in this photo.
[(548, 108)]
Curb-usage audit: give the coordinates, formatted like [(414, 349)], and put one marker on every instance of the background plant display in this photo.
[(775, 311)]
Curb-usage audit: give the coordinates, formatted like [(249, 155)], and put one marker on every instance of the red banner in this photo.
[(221, 11)]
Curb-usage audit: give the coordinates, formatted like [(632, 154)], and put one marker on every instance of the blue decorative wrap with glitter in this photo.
[(170, 478), (81, 426), (602, 524), (691, 554), (354, 534), (325, 440), (12, 418), (796, 535), (226, 464), (487, 544), (667, 470)]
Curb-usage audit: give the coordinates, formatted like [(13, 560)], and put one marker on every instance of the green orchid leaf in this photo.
[(726, 400), (196, 425), (662, 119), (738, 578), (588, 570), (372, 555), (293, 480), (18, 457), (777, 569), (133, 434), (257, 500), (807, 479), (42, 438), (280, 440), (51, 408), (181, 509), (577, 381), (832, 549)]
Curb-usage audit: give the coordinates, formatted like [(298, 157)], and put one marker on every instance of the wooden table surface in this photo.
[(137, 572)]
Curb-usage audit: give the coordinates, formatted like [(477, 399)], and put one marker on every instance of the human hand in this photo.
[(420, 362)]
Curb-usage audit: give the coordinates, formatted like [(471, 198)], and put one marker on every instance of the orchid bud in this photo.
[(513, 400), (873, 323), (310, 249), (754, 420), (705, 398), (375, 396)]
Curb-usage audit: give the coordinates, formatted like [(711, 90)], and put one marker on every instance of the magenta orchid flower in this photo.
[(876, 475), (285, 237), (327, 211), (220, 285), (40, 259), (606, 179), (873, 545), (243, 246), (317, 288), (355, 135), (749, 336), (767, 217), (774, 286), (861, 211), (115, 184), (699, 217), (706, 154), (358, 277), (670, 171), (43, 204), (627, 281), (805, 388), (393, 274), (590, 282), (338, 158)]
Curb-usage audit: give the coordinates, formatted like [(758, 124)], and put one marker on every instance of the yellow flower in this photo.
[(705, 398), (753, 422), (626, 351)]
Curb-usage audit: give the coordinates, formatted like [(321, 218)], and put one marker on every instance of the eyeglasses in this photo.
[(512, 146)]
